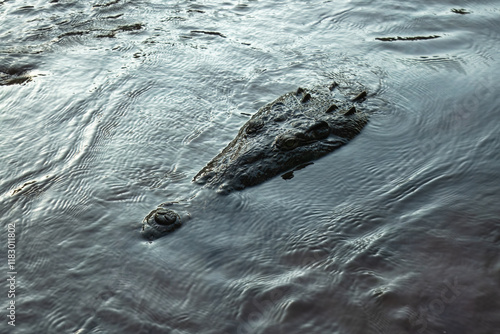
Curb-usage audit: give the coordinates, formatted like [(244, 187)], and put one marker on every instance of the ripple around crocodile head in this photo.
[(291, 131)]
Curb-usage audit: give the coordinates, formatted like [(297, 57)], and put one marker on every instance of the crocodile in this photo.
[(293, 130)]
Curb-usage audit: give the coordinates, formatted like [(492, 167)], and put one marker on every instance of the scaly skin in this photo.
[(296, 128)]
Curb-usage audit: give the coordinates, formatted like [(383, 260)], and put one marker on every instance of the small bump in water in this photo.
[(462, 11), (333, 107), (306, 98), (350, 111), (360, 96)]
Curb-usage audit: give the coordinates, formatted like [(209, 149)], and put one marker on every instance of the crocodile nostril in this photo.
[(164, 219)]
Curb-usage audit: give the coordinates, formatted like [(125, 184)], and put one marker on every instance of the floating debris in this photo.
[(130, 27), (208, 33), (107, 4), (399, 38), (74, 33), (462, 11), (15, 75), (114, 16)]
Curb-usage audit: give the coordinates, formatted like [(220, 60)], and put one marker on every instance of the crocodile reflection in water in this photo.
[(296, 128)]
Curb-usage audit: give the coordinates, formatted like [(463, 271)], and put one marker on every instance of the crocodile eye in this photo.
[(320, 130), (289, 144), (253, 127)]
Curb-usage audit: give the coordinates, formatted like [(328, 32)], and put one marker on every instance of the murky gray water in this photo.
[(108, 109)]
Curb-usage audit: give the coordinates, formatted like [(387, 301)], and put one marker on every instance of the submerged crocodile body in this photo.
[(294, 129)]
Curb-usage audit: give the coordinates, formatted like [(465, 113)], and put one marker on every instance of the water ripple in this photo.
[(110, 107)]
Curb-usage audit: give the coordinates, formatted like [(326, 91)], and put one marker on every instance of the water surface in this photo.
[(110, 108)]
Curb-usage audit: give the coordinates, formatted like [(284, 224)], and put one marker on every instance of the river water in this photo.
[(110, 108)]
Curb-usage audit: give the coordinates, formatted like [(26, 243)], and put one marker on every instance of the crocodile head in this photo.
[(291, 131), (296, 128)]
